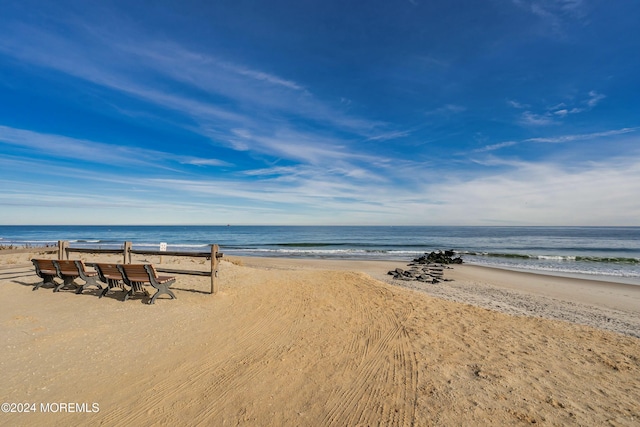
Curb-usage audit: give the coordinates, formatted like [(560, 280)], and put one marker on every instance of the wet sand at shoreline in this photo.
[(319, 342)]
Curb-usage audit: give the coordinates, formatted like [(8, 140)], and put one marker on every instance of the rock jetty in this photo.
[(428, 268)]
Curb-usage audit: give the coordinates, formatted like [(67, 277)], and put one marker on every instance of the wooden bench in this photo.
[(46, 270), (136, 275), (109, 274), (69, 270)]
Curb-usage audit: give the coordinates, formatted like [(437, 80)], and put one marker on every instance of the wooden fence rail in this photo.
[(214, 256)]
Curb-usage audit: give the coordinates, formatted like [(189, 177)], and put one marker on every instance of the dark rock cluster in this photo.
[(439, 257), (428, 268)]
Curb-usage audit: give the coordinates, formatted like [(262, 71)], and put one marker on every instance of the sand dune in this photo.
[(304, 343)]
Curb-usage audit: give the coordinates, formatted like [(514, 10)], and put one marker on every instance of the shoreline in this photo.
[(567, 274), (634, 281), (601, 304), (560, 274)]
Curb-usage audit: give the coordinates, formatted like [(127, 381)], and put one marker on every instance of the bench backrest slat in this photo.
[(136, 272), (109, 271), (44, 264), (67, 267)]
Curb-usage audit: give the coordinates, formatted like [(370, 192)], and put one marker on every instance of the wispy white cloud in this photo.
[(215, 93), (301, 195), (87, 152), (516, 104), (493, 147), (308, 148), (553, 12), (523, 193), (326, 173), (273, 171), (212, 74), (559, 139), (594, 98), (548, 194), (266, 77), (204, 162), (390, 135), (551, 115), (104, 67), (503, 191), (573, 6), (532, 119), (232, 104), (538, 9), (78, 149), (582, 137)]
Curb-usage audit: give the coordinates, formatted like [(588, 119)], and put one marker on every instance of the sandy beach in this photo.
[(320, 342)]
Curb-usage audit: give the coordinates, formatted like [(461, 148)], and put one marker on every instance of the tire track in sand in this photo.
[(380, 355), (217, 377), (376, 353)]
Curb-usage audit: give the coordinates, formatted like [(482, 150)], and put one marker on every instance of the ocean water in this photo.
[(592, 251)]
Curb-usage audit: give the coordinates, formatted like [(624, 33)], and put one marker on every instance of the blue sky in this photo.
[(493, 112)]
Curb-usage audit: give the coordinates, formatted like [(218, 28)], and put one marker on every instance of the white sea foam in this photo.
[(556, 257)]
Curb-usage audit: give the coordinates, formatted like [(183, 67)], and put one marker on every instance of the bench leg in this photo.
[(162, 289), (135, 287), (46, 280), (68, 280), (111, 283), (106, 289), (88, 281)]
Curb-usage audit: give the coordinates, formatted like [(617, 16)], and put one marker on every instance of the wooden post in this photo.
[(127, 251), (63, 247), (214, 269)]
